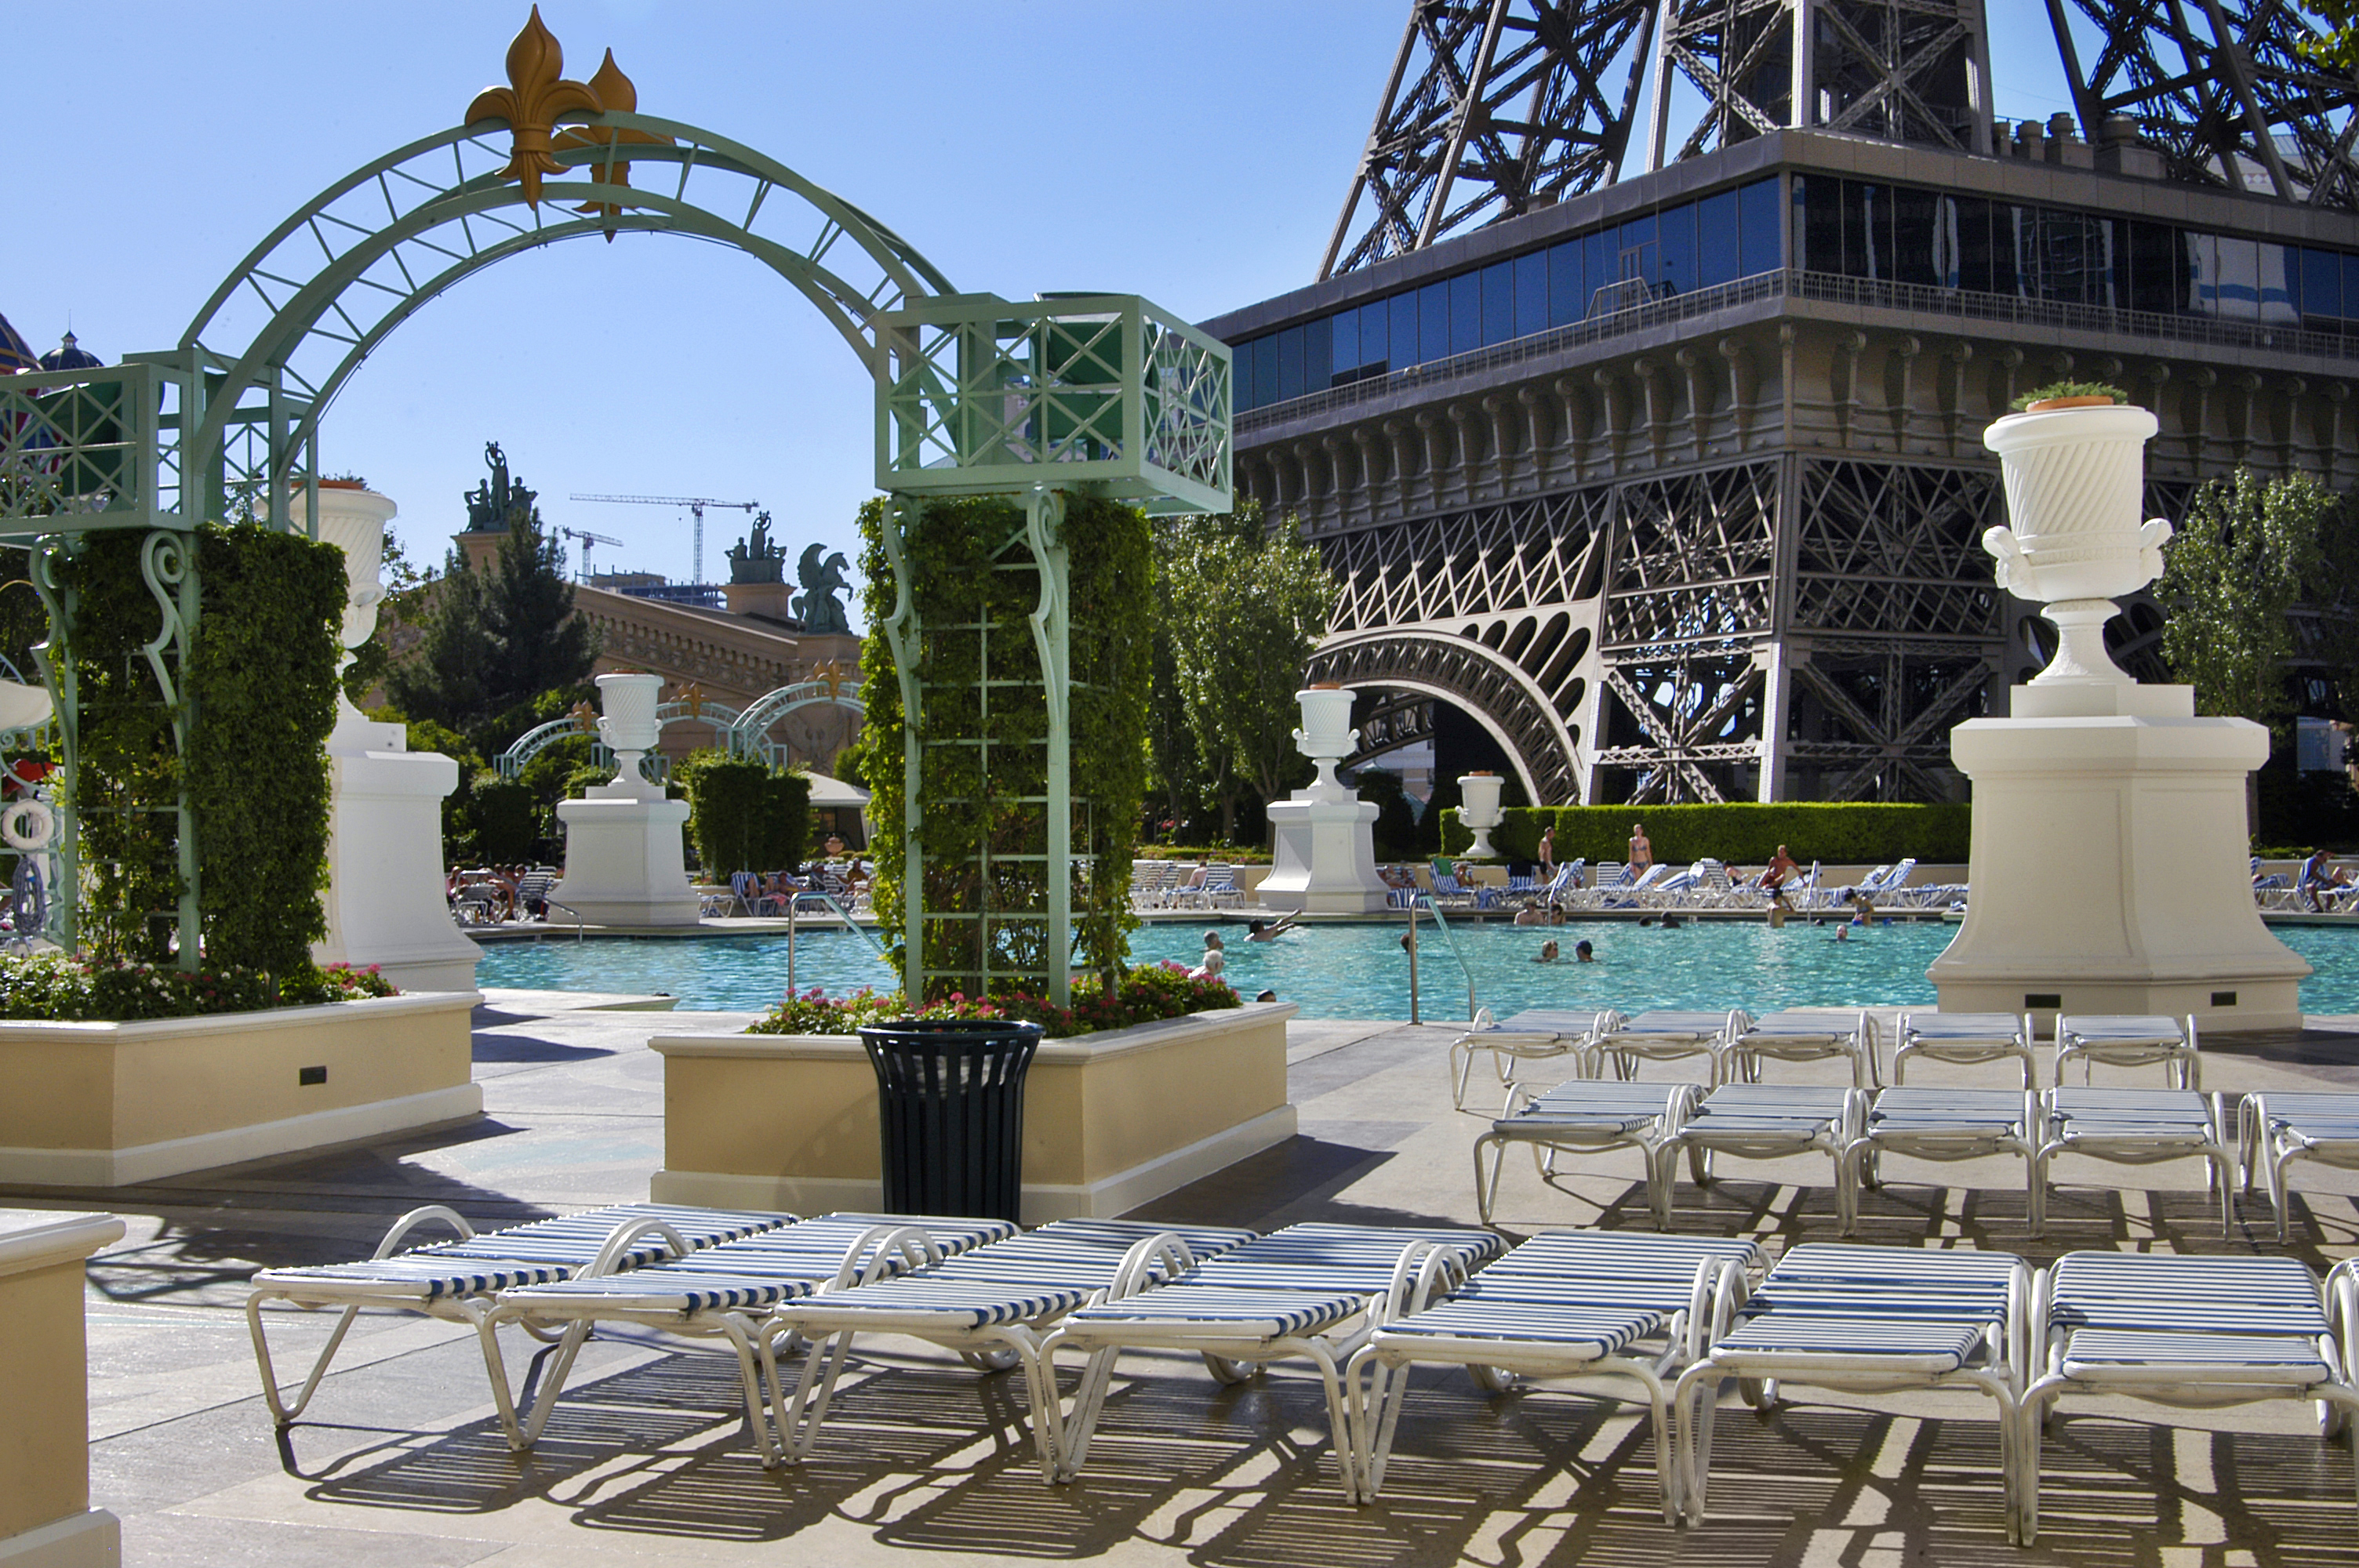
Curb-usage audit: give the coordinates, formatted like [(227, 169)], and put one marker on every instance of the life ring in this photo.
[(28, 825)]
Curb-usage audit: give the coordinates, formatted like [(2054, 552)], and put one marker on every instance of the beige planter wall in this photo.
[(45, 1512), (1110, 1120), (104, 1104)]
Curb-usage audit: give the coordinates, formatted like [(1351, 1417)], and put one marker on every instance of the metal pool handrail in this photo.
[(1425, 901), (850, 925)]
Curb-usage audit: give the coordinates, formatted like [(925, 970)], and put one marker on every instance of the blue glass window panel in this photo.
[(1675, 246), (1567, 289), (1601, 264), (1532, 293), (1498, 302), (2236, 278), (1265, 370), (1433, 323), (1375, 317), (1860, 208), (1240, 387), (2351, 287), (2322, 283), (1718, 245), (1403, 342), (2280, 266), (1317, 353), (1290, 363), (1465, 312), (1636, 257), (1343, 328), (1970, 265), (1757, 224), (1919, 250)]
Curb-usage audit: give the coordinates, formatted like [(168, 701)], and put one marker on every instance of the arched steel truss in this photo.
[(278, 338), (1502, 698), (748, 737), (742, 732)]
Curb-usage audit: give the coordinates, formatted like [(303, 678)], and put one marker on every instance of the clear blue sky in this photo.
[(1196, 154)]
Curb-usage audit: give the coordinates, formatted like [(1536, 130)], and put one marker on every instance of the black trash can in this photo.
[(949, 1104)]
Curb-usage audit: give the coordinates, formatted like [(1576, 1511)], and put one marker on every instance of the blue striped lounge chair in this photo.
[(2142, 1127), (1949, 1124), (1584, 1116), (2192, 1331), (1532, 1035), (458, 1281), (995, 1306), (1605, 1309), (1868, 1320), (2129, 1041), (1966, 1039), (728, 1289), (1314, 1291), (1763, 1122), (1803, 1036), (2278, 1127), (1664, 1035)]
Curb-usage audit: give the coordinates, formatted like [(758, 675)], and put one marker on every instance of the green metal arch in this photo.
[(746, 736), (370, 257)]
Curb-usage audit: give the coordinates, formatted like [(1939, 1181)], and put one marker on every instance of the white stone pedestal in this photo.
[(623, 860), (1326, 860), (2109, 867), (386, 902)]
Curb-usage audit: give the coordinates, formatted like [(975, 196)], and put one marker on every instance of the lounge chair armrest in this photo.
[(878, 1244), (415, 1217), (629, 1232), (1424, 1273), (1137, 1271)]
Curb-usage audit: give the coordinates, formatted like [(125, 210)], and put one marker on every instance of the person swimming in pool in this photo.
[(1582, 952), (1548, 954), (1270, 930)]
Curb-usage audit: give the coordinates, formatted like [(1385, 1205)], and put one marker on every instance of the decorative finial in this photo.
[(586, 717), (536, 95), (618, 94)]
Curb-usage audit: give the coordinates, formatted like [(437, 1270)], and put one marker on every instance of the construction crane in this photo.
[(695, 503), (588, 539)]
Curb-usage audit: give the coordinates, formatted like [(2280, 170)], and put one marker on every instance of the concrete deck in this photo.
[(399, 1462)]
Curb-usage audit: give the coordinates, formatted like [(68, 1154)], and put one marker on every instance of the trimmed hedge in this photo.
[(1741, 832)]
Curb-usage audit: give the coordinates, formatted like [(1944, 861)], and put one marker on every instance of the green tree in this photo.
[(529, 607), (2232, 576), (1246, 607), (449, 677), (2336, 41)]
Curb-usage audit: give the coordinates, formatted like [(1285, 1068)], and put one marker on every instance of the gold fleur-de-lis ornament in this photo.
[(537, 94), (586, 717), (618, 94)]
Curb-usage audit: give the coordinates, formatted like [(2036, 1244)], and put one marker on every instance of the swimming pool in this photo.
[(1359, 971)]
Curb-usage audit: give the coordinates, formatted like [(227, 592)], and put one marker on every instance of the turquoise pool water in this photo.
[(1359, 971)]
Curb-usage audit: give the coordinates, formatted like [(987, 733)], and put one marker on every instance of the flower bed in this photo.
[(1144, 995), (59, 989)]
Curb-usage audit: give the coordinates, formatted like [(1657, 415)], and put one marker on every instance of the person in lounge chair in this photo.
[(2316, 872)]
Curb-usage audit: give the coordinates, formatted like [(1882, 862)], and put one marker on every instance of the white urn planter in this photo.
[(384, 900), (1478, 808), (1324, 860), (2108, 870), (624, 865)]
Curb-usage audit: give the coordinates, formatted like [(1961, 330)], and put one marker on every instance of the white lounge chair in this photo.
[(2142, 1127), (1603, 1309), (995, 1306), (1797, 1035), (1968, 1039), (2278, 1127), (1586, 1116), (1669, 1034), (1314, 1291), (458, 1281), (726, 1291), (2130, 1041), (2198, 1333), (1950, 1124), (1531, 1036), (1763, 1122), (1868, 1320)]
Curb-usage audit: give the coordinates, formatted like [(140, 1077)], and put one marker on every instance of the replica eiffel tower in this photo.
[(1638, 406)]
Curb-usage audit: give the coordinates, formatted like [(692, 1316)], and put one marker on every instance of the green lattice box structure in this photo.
[(1098, 393)]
